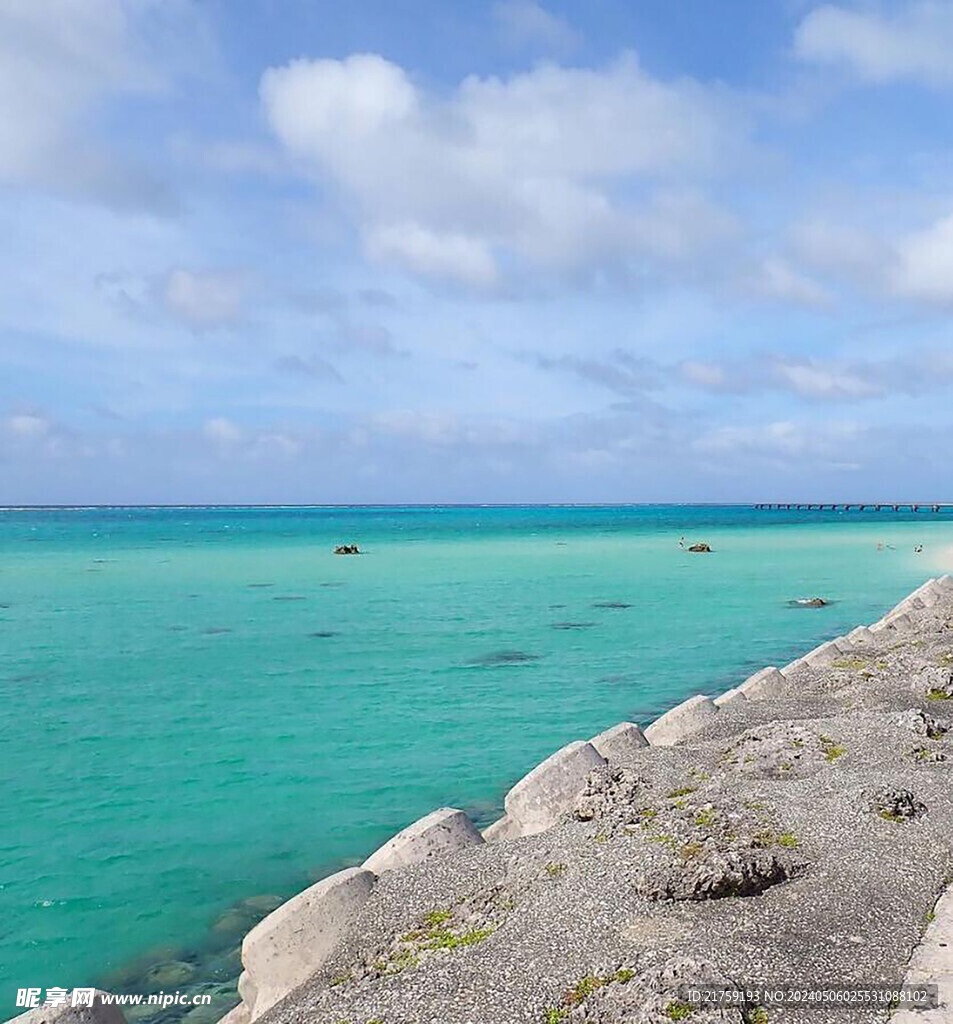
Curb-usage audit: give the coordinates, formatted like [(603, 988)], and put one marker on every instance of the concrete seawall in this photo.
[(760, 732), (294, 941)]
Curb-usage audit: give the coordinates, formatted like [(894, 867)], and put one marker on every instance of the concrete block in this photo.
[(681, 721), (539, 799), (768, 682), (792, 667), (292, 942), (438, 833), (944, 583), (248, 991), (620, 741), (899, 622), (824, 655), (501, 830), (98, 1013), (237, 1015), (729, 697), (860, 635)]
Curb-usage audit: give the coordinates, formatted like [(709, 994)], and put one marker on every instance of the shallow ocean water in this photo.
[(206, 705)]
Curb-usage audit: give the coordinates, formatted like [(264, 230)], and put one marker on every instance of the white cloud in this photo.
[(812, 380), (61, 63), (222, 431), (785, 443), (779, 280), (204, 299), (28, 425), (527, 169), (910, 40), (925, 264), (450, 255), (527, 23)]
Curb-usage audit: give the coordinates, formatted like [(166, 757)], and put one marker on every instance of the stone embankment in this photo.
[(794, 830)]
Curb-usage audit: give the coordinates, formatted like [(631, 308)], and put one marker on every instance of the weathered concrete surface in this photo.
[(237, 1015), (620, 742), (293, 941), (684, 719), (502, 829), (767, 682), (824, 655), (860, 635), (440, 832), (782, 782), (539, 799), (932, 963), (98, 1013), (247, 990), (729, 696)]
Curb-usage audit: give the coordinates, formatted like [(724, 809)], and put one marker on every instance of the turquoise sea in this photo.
[(201, 705)]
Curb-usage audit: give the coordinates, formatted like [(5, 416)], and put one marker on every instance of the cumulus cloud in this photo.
[(61, 63), (526, 23), (924, 268), (895, 41), (527, 170), (205, 299)]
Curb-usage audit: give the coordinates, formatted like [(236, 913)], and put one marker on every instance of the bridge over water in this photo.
[(868, 506)]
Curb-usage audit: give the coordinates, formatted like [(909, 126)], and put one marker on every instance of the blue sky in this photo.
[(289, 251)]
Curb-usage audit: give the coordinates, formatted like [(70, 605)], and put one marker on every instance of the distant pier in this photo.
[(847, 506)]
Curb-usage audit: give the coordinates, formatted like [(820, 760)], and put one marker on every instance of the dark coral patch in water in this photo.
[(216, 630), (323, 634), (503, 658), (573, 625), (289, 597), (611, 604), (258, 585)]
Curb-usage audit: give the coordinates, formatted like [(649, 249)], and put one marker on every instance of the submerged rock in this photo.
[(503, 658), (347, 549), (809, 602), (700, 548)]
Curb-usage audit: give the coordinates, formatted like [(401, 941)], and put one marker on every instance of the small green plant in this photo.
[(705, 817), (759, 1015), (648, 813), (681, 791), (931, 917), (690, 851), (832, 749), (677, 1010), (788, 840), (448, 940), (554, 870), (663, 837), (437, 917), (600, 837), (554, 1015), (340, 979), (897, 819), (850, 664), (935, 694)]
